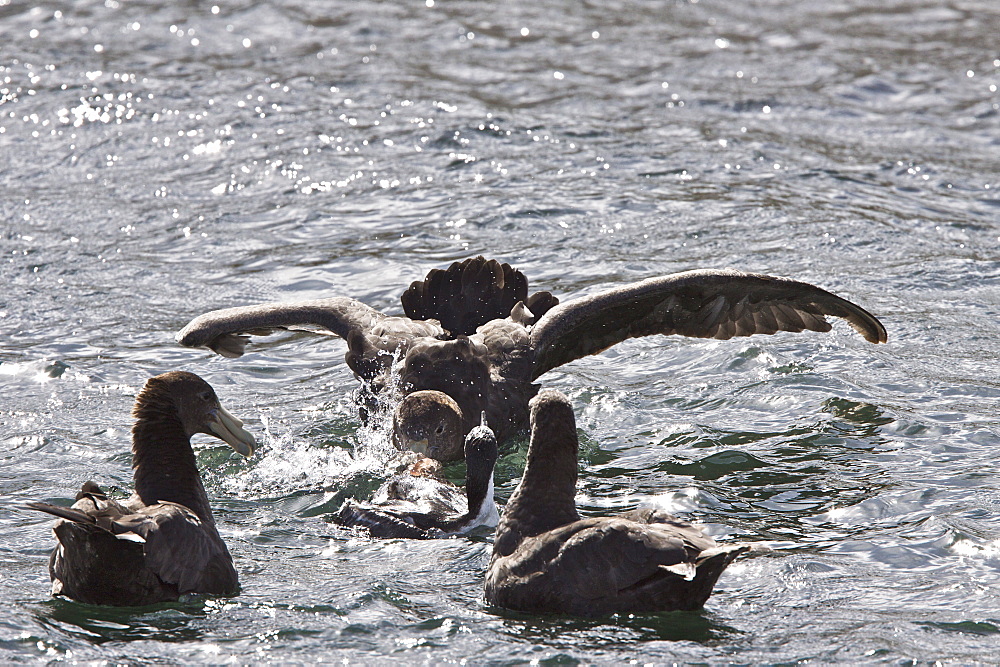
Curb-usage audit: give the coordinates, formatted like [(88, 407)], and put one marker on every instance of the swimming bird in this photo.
[(546, 558), (471, 331), (162, 542), (416, 504)]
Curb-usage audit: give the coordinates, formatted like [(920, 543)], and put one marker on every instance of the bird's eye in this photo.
[(439, 430), (206, 396)]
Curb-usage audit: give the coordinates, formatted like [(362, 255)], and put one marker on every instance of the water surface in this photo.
[(160, 160)]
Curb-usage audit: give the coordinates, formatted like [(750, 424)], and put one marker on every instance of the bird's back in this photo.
[(91, 565), (127, 554), (605, 565), (409, 506)]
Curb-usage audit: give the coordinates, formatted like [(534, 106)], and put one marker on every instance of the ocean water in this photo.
[(158, 160)]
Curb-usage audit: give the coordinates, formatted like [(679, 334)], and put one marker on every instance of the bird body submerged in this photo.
[(473, 333), (162, 541), (418, 505)]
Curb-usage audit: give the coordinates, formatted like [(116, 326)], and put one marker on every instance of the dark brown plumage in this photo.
[(547, 559), (429, 423), (161, 542), (463, 337)]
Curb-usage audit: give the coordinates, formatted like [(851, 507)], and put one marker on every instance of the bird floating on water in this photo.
[(472, 334), (161, 542), (546, 558), (416, 504)]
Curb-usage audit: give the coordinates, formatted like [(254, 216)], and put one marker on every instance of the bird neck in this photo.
[(545, 498), (163, 463), (479, 492)]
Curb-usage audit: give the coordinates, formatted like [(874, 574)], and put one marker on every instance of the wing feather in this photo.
[(178, 547), (226, 331), (701, 304)]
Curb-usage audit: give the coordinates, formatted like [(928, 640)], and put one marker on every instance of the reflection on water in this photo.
[(97, 624), (161, 160), (583, 634)]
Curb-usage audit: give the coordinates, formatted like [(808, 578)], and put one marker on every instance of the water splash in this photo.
[(286, 464), (374, 438)]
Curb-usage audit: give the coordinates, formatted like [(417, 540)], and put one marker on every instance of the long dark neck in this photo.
[(478, 485), (163, 463), (545, 498)]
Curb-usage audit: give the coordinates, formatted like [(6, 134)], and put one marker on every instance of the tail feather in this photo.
[(91, 490), (695, 591), (468, 294), (540, 303), (710, 563), (67, 513), (728, 551)]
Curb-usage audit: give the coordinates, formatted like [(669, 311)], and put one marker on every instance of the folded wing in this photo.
[(181, 550), (176, 546)]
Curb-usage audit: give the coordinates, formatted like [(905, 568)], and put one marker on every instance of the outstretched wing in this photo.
[(227, 331), (700, 304)]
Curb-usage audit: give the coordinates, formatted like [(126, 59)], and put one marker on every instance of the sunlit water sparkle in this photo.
[(163, 159)]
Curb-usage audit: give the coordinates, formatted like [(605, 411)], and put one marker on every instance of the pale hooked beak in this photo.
[(227, 427)]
